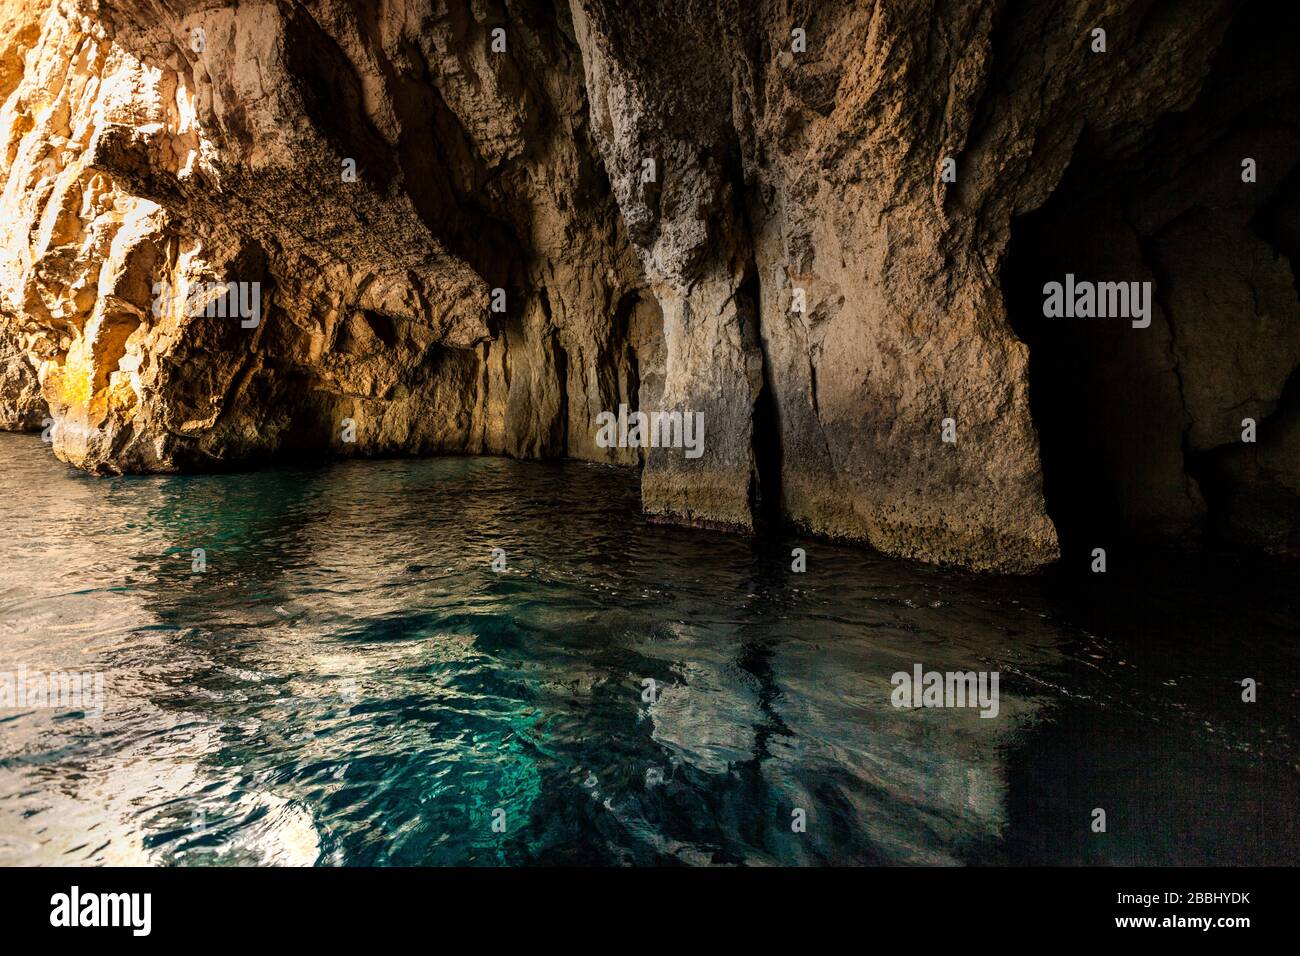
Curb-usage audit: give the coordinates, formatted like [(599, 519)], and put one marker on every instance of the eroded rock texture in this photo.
[(713, 206)]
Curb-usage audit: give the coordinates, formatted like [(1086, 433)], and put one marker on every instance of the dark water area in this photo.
[(350, 682)]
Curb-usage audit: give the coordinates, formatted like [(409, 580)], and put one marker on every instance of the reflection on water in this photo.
[(349, 682)]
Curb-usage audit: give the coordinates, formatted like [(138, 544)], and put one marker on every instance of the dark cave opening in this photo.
[(1078, 380), (1136, 441)]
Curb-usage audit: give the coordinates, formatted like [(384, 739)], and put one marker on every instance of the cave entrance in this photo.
[(1103, 395), (1138, 427)]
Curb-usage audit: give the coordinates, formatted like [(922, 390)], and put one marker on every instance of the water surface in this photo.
[(350, 682)]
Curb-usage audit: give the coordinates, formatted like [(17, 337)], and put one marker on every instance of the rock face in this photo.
[(473, 227)]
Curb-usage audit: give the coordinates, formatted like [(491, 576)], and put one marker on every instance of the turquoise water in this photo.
[(349, 681)]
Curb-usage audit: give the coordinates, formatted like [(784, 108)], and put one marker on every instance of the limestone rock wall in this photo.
[(148, 150), (714, 206)]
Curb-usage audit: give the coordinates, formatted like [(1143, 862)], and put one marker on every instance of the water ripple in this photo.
[(349, 681)]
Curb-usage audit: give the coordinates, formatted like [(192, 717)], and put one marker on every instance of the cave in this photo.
[(1140, 429), (620, 402), (399, 173), (1098, 411)]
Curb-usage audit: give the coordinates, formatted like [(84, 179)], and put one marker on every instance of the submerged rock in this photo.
[(474, 228)]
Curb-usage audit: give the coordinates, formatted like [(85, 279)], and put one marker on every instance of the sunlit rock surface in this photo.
[(655, 189)]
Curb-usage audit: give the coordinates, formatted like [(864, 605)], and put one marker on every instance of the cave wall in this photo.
[(132, 158)]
